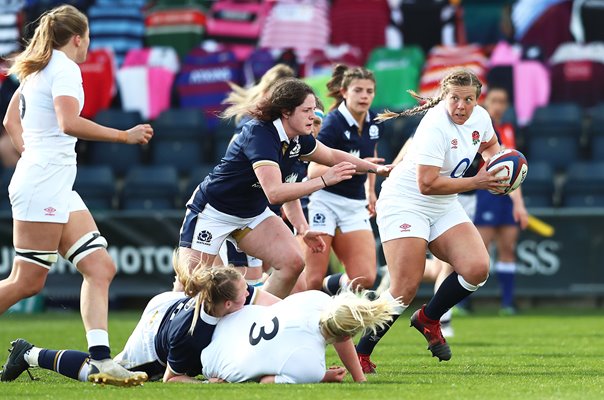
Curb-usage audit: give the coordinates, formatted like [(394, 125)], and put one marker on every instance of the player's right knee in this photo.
[(43, 258)]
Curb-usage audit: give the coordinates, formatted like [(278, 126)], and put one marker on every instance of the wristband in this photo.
[(323, 180)]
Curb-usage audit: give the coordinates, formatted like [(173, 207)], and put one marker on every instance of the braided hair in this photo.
[(459, 77)]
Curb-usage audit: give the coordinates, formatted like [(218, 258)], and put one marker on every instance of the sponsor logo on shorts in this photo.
[(405, 227), (454, 143), (50, 211), (204, 237), (318, 219)]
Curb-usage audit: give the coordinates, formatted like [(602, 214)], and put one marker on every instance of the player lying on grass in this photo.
[(285, 342), (169, 337)]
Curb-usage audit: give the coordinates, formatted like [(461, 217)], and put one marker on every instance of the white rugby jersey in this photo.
[(282, 340), (439, 142), (44, 141)]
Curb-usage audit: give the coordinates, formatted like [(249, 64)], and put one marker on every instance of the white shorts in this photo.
[(140, 347), (468, 202), (232, 255), (44, 193), (397, 220), (212, 227), (328, 211)]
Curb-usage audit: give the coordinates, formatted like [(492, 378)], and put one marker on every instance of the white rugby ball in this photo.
[(515, 168)]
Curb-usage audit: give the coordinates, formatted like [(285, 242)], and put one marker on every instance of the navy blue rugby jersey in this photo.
[(173, 343), (340, 131), (299, 174), (232, 187)]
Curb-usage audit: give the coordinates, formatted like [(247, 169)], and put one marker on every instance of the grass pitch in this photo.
[(541, 354)]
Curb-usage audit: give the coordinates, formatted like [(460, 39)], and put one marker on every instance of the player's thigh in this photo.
[(37, 235), (406, 259), (98, 261), (187, 259), (272, 242), (356, 250), (80, 223), (463, 248), (487, 233)]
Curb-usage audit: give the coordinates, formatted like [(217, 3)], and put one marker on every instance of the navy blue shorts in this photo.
[(493, 210), (236, 258)]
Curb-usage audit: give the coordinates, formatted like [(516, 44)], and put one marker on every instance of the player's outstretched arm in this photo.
[(348, 355), (70, 122)]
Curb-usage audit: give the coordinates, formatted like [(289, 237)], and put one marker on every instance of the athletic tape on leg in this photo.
[(469, 286), (87, 244), (43, 258)]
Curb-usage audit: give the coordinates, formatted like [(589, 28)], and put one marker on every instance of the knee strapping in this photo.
[(90, 242), (43, 258), (468, 286)]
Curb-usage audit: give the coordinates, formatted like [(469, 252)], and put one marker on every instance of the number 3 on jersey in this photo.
[(255, 339)]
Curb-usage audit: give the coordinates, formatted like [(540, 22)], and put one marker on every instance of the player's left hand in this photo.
[(334, 374), (384, 170), (314, 240)]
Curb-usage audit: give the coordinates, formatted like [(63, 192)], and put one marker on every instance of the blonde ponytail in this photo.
[(350, 313), (211, 286)]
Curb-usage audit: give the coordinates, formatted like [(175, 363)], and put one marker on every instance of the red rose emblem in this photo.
[(475, 137)]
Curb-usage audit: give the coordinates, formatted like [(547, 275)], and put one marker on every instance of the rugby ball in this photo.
[(515, 168)]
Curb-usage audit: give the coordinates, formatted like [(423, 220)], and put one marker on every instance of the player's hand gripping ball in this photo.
[(515, 168)]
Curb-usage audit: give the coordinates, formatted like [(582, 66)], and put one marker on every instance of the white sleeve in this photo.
[(430, 145), (302, 366), (490, 130), (67, 82), (489, 133)]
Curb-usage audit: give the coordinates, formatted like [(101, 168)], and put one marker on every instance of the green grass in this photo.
[(541, 354)]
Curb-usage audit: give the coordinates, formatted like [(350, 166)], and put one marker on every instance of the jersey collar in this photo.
[(207, 318), (281, 130), (348, 116)]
